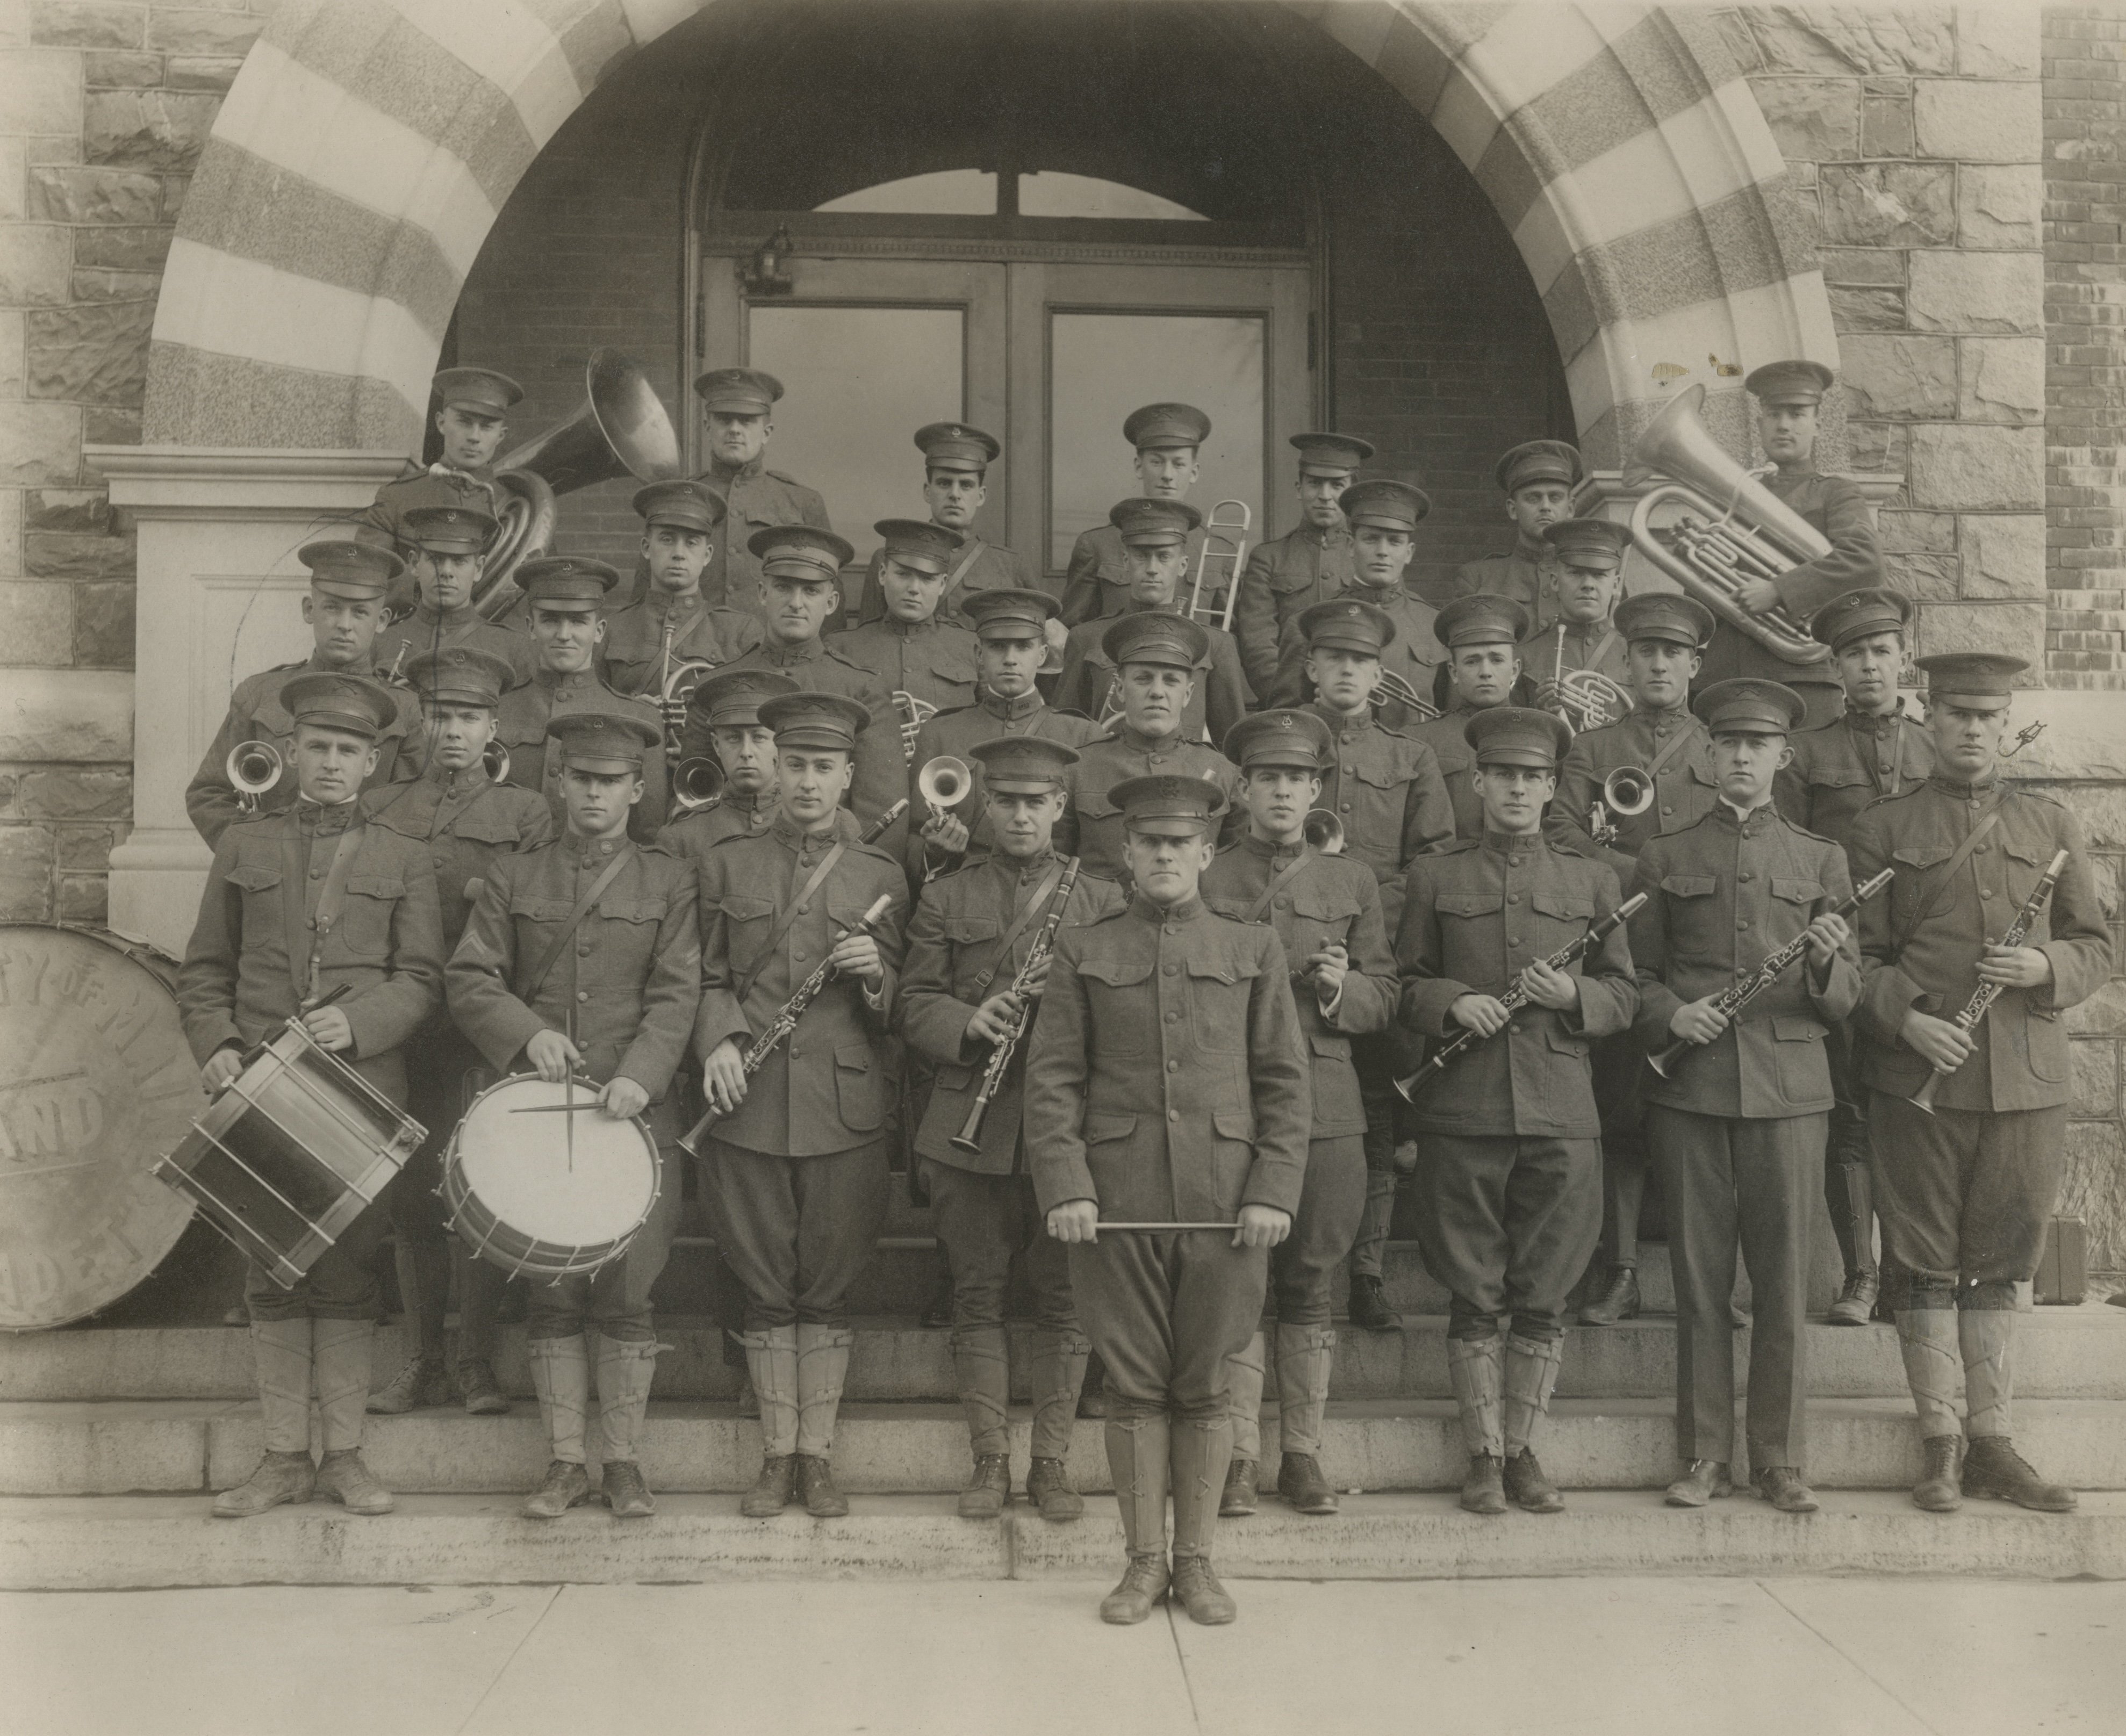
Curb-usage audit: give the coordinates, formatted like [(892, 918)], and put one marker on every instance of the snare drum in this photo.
[(290, 1154), (524, 1198)]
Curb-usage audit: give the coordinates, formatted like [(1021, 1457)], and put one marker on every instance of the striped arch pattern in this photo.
[(366, 146)]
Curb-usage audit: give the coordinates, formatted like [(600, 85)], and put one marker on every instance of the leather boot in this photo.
[(1056, 1371), (1048, 1487), (1993, 1467), (1702, 1480), (279, 1477), (1138, 1457), (1244, 1391), (1616, 1300), (981, 1370), (482, 1393), (823, 1368), (1239, 1498), (816, 1488), (339, 1369), (1369, 1305), (561, 1377), (1199, 1454), (281, 1363), (1476, 1368), (1852, 1203), (1855, 1305), (1531, 1374), (1306, 1355), (1781, 1485), (420, 1385), (1927, 1341), (567, 1484), (1940, 1487), (773, 1489), (342, 1477), (626, 1369), (988, 1490), (771, 1364)]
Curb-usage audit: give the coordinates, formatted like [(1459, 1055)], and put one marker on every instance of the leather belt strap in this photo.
[(1660, 759), (790, 915), (332, 899), (1975, 836), (1278, 881), (1036, 906), (538, 971), (974, 547)]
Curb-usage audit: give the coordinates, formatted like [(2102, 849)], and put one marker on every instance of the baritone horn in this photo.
[(1732, 529), (942, 782), (697, 783), (1628, 790), (253, 768)]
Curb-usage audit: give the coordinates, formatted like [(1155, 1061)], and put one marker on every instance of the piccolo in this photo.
[(969, 1138)]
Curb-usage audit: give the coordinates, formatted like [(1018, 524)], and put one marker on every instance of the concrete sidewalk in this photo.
[(1645, 1656)]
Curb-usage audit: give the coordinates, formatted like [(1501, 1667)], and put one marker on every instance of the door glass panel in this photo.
[(1052, 193), (947, 193), (1103, 366), (857, 383)]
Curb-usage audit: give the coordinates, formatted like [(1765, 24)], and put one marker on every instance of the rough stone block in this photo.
[(83, 898), (1890, 377), (121, 70), (79, 24), (1876, 446), (195, 72), (1889, 203), (2004, 555), (1863, 266), (40, 443), (10, 532), (1989, 293), (1998, 204), (155, 130), (134, 247), (2001, 379), (14, 179), (2094, 1190), (174, 189), (1886, 125), (59, 194), (1905, 531), (103, 625), (66, 716), (74, 793), (1978, 469), (1930, 578), (82, 511), (1812, 120), (12, 321), (25, 873), (106, 285), (103, 427), (39, 619), (1978, 123), (1853, 39), (1998, 41), (85, 849), (186, 31), (2095, 1077), (59, 554), (1866, 310), (2100, 811), (2017, 629), (34, 265), (41, 93), (2104, 1013), (93, 354)]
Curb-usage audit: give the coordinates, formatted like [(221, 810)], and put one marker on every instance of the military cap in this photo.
[(1160, 425), (1298, 739), (1538, 460), (732, 698), (477, 389), (1749, 706), (747, 391), (680, 501), (800, 551), (1385, 502), (1854, 614), (1005, 611), (592, 740), (913, 542), (1517, 735), (448, 530), (1168, 804), (1331, 455), (810, 720), (1152, 636), (335, 698), (1483, 618), (1789, 382), (460, 675), (558, 580), (344, 567), (1589, 542), (1965, 676), (1146, 523), (953, 445), (1668, 615), (1345, 623), (1024, 765)]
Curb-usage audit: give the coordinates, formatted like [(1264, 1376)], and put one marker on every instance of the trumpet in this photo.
[(697, 782), (1628, 790), (914, 714), (1395, 690), (942, 782), (495, 762), (1323, 831), (253, 768), (1231, 531)]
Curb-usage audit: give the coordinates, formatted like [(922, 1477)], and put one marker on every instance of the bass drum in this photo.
[(96, 1082)]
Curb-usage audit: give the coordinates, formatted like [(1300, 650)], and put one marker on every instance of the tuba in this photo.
[(1225, 540), (621, 429), (697, 783), (1732, 528), (253, 768)]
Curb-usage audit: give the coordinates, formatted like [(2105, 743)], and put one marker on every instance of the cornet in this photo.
[(253, 768), (495, 762), (914, 714), (1628, 790), (1323, 831), (697, 783), (942, 782)]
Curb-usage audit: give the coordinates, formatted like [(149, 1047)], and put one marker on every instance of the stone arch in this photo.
[(365, 148)]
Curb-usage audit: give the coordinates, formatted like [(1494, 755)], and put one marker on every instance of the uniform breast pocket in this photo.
[(1561, 918), (633, 932), (857, 1087), (1793, 897), (1232, 1155), (1469, 949), (1376, 794), (364, 929), (973, 941), (1122, 1006), (260, 883), (1319, 919), (1218, 993), (1797, 1053), (747, 922)]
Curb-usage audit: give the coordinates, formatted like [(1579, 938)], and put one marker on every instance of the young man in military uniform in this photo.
[(679, 520), (365, 974), (444, 549), (1838, 768), (473, 406), (1576, 635), (1511, 1182), (970, 937), (795, 1166), (956, 463), (566, 596), (463, 820), (1966, 1192), (1664, 634), (344, 610), (912, 650), (1537, 478), (1326, 913), (1287, 574), (1168, 1085), (736, 404), (1739, 1123), (726, 708), (618, 1007), (1789, 395), (1168, 440), (1482, 634), (1155, 536)]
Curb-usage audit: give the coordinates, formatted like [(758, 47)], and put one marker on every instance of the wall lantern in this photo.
[(767, 272)]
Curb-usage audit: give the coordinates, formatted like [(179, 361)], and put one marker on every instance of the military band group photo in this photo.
[(1169, 930)]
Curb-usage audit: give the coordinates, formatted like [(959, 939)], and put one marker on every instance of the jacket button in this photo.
[(1345, 807), (1173, 1115), (1667, 810), (1512, 898), (1746, 876), (1174, 1066), (1170, 969), (1284, 904), (583, 994), (317, 873), (1986, 892), (1513, 940), (1744, 923), (1982, 849), (1513, 1030), (1173, 1018)]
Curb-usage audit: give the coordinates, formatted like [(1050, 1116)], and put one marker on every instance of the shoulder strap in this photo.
[(1044, 894), (1660, 759), (531, 984), (974, 553), (1278, 881), (1973, 840), (790, 915), (332, 899)]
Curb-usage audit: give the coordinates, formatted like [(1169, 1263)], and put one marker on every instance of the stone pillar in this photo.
[(218, 586)]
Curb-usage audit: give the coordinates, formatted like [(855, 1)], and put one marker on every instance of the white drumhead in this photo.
[(519, 1166)]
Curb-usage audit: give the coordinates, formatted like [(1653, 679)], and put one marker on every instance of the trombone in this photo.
[(1228, 532), (253, 768), (697, 783)]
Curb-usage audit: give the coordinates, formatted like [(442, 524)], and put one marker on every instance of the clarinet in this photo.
[(1733, 1000), (1516, 997), (1988, 993), (786, 1016), (969, 1138)]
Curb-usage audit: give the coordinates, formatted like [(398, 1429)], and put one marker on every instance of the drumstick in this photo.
[(556, 1109), (568, 1085)]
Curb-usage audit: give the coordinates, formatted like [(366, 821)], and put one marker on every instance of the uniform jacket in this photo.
[(1684, 790), (1532, 583), (2022, 1060), (632, 657), (521, 726), (1456, 761), (932, 660), (991, 566), (958, 732), (421, 486), (757, 498), (1333, 899), (1386, 787), (257, 919), (1416, 653), (465, 822), (1835, 506), (1221, 699), (1169, 1079), (692, 835), (256, 714), (1096, 581), (954, 964), (1284, 577), (1105, 762), (1725, 895), (428, 630), (1477, 913), (1842, 765), (631, 975), (828, 1087)]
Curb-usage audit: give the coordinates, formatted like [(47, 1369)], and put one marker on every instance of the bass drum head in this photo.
[(520, 1169), (96, 1082)]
